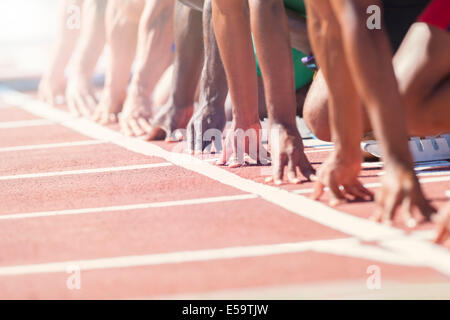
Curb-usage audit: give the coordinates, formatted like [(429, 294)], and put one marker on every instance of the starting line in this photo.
[(429, 255), (345, 247)]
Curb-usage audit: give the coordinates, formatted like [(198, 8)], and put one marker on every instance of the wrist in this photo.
[(347, 155), (243, 120)]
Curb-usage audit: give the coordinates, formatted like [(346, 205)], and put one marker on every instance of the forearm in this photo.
[(67, 37), (92, 38), (271, 36), (232, 28), (370, 59), (122, 21), (345, 112), (155, 39), (188, 55), (213, 82)]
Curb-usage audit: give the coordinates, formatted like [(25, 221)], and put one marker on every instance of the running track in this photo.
[(142, 220)]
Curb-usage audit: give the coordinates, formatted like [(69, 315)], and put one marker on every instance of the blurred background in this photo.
[(27, 31)]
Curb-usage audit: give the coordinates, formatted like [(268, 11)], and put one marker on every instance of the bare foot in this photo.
[(134, 120), (168, 120)]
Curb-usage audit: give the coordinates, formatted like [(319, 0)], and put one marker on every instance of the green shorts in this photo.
[(302, 75)]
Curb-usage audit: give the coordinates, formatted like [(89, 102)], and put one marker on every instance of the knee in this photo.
[(316, 123), (315, 114)]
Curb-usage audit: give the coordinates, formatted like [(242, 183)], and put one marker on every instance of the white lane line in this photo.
[(164, 204), (434, 173), (344, 247), (314, 150), (420, 166), (317, 143), (378, 184), (425, 173), (447, 193), (302, 206), (85, 171), (25, 123), (52, 145)]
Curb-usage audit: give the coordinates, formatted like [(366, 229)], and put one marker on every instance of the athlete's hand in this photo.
[(443, 225), (134, 119), (401, 190), (168, 121), (108, 108), (51, 87), (340, 173), (243, 139), (80, 97), (205, 120), (286, 148)]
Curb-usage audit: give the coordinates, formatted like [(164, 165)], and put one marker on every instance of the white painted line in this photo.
[(377, 164), (314, 150), (313, 210), (17, 216), (447, 193), (25, 123), (316, 143), (343, 247), (304, 207), (52, 145), (85, 171), (420, 166), (434, 173), (425, 173), (378, 184)]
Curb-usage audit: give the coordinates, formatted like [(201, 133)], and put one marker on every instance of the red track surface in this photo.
[(153, 232)]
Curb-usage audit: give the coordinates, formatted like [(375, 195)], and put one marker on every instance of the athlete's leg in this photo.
[(397, 18), (422, 69), (422, 66)]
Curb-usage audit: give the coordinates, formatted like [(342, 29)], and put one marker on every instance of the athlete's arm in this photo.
[(369, 57), (153, 57), (53, 80), (80, 96), (233, 33), (342, 168), (271, 35), (122, 21)]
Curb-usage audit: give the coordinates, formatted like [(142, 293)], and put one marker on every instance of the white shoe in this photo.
[(428, 149)]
